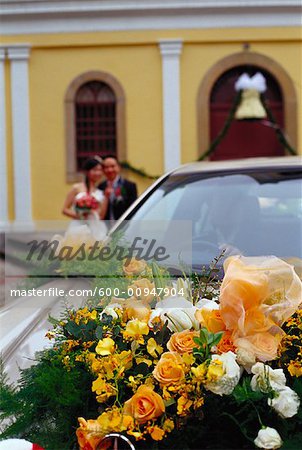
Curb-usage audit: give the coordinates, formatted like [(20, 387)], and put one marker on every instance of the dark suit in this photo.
[(125, 193)]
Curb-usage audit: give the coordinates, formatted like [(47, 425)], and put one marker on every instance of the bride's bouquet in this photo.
[(85, 204)]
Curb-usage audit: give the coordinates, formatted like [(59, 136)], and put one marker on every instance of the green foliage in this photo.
[(243, 392), (206, 284), (205, 342), (46, 405)]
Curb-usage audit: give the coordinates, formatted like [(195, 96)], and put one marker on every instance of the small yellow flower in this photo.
[(108, 367), (153, 348), (141, 359), (295, 369), (137, 434), (168, 425), (122, 362), (105, 347), (183, 405), (93, 315), (200, 371), (188, 359), (135, 329), (157, 433), (215, 371), (114, 420), (198, 403), (134, 382), (102, 389)]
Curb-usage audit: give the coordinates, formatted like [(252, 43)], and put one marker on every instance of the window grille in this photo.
[(95, 121)]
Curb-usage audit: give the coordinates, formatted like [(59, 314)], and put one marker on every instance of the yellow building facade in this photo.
[(164, 64)]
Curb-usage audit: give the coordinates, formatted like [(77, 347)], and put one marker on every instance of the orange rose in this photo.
[(142, 289), (169, 369), (266, 283), (226, 343), (134, 267), (263, 345), (89, 434), (255, 322), (182, 342), (144, 405), (212, 320), (244, 286)]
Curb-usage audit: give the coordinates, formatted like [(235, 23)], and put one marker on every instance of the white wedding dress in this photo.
[(92, 226), (85, 231)]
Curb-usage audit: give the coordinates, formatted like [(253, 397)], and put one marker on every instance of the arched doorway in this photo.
[(245, 59), (245, 138)]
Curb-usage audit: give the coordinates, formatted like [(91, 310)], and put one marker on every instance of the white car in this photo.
[(250, 206)]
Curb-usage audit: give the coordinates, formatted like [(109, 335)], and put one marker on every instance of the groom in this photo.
[(120, 192)]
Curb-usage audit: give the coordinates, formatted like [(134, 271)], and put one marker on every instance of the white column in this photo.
[(19, 56), (170, 51), (3, 164)]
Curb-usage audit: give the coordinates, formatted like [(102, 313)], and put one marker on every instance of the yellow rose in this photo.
[(142, 289), (169, 369), (144, 405), (212, 320), (134, 266), (136, 309), (182, 342)]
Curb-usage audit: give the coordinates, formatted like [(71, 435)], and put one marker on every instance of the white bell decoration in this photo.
[(250, 106)]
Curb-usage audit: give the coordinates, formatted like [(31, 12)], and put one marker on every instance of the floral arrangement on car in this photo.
[(86, 203), (175, 363)]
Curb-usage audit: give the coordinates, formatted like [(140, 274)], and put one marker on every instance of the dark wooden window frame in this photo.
[(239, 59), (72, 175)]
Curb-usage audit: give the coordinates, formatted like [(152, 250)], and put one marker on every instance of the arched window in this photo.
[(211, 97), (244, 138), (95, 120), (95, 105)]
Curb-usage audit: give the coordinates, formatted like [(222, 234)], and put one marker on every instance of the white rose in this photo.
[(179, 312), (245, 359), (266, 378), (286, 403), (225, 384), (268, 438)]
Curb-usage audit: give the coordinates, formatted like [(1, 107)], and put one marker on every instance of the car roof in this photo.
[(240, 164)]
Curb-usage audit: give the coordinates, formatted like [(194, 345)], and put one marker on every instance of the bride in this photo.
[(87, 223)]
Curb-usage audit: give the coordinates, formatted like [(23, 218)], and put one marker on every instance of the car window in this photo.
[(254, 213), (161, 205)]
